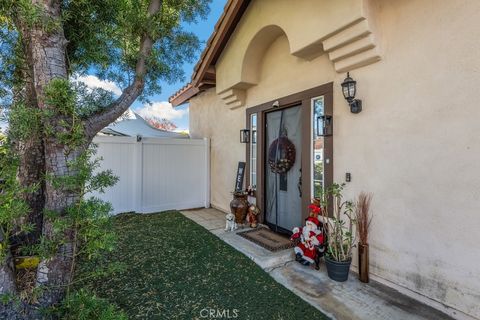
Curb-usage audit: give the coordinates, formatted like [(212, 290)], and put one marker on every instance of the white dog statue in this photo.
[(231, 225)]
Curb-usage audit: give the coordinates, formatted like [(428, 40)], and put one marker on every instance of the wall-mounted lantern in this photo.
[(324, 126), (244, 136), (349, 88)]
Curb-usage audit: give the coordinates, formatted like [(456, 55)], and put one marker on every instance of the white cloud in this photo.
[(95, 82), (161, 110)]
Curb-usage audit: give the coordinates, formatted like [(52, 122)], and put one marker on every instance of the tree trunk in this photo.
[(32, 159), (48, 55), (7, 287), (31, 171), (8, 310), (7, 276), (54, 273)]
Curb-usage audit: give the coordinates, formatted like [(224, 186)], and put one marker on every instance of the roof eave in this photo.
[(204, 76), (184, 95)]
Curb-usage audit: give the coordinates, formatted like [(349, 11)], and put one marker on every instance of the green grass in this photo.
[(175, 268)]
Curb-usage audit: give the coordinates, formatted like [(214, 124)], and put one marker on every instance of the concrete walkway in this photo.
[(350, 300)]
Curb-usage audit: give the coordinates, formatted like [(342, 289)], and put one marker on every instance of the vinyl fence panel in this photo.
[(156, 174)]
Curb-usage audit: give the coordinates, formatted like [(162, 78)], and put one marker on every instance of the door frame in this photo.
[(304, 100)]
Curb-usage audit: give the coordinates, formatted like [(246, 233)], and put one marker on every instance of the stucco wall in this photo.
[(210, 118), (415, 146)]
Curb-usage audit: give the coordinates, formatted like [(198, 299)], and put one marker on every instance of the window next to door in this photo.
[(253, 151), (318, 150), (321, 147)]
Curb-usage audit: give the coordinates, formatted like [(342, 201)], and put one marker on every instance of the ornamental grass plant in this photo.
[(363, 216)]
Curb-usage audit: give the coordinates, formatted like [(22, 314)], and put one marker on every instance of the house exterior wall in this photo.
[(415, 145), (210, 118)]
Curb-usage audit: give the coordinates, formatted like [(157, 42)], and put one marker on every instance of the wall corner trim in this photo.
[(233, 97), (353, 47)]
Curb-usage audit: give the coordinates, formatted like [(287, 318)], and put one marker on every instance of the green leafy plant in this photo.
[(13, 209), (339, 227), (88, 217), (85, 305)]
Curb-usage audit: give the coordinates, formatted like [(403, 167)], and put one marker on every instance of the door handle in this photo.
[(299, 184)]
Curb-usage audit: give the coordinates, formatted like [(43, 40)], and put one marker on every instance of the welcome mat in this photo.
[(268, 239)]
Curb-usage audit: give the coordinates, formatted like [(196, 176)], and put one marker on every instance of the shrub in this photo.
[(85, 305)]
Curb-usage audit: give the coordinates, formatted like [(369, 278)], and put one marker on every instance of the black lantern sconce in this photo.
[(324, 126), (349, 88), (244, 136)]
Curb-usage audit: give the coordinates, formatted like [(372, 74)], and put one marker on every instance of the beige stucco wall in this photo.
[(415, 146), (209, 118)]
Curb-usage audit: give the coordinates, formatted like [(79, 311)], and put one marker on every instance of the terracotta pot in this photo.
[(239, 207), (363, 262)]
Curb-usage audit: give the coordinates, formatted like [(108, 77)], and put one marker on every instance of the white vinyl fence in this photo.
[(156, 173)]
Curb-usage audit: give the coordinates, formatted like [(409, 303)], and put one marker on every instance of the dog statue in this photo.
[(230, 225)]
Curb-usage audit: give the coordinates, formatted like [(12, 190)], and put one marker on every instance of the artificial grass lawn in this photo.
[(174, 269)]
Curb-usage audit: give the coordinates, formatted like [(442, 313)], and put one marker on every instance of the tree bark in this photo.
[(7, 278), (7, 287), (53, 274), (31, 171), (48, 54), (32, 159)]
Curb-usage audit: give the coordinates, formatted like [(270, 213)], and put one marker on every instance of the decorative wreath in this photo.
[(286, 158)]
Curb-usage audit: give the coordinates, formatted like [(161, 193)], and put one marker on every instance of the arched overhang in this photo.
[(342, 30), (250, 64), (257, 47)]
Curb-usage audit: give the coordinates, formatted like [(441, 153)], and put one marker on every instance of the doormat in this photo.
[(267, 239)]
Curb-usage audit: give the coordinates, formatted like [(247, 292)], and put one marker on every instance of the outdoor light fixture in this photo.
[(349, 88), (244, 136), (324, 126)]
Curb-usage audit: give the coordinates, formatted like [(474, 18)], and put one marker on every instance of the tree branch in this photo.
[(98, 121)]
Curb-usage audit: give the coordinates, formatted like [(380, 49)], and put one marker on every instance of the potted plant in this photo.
[(364, 218), (339, 231)]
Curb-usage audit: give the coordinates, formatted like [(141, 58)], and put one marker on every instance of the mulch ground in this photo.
[(176, 269)]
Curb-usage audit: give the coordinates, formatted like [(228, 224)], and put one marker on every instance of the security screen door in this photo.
[(283, 169)]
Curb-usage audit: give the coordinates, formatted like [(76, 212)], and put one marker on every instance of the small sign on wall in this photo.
[(240, 175)]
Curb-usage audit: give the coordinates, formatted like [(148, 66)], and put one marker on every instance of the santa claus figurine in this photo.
[(310, 237)]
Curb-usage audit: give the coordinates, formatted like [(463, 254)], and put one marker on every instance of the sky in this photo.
[(160, 107)]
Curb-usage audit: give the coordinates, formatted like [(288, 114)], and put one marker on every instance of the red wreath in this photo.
[(286, 155)]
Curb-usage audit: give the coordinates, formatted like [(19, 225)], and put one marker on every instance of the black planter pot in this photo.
[(338, 271)]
